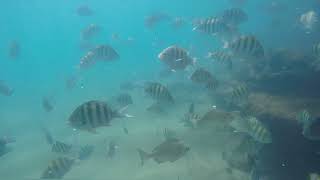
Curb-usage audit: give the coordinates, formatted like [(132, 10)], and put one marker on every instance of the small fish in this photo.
[(234, 16), (48, 136), (125, 130), (5, 89), (169, 151), (46, 104), (176, 58), (93, 114), (190, 119), (105, 52), (88, 60), (85, 152), (90, 31), (155, 18), (212, 85), (240, 92), (212, 26), (304, 118), (221, 57), (60, 147), (201, 75), (253, 127), (316, 50), (112, 149), (158, 92), (57, 168), (247, 47), (14, 50), (84, 10), (309, 20), (124, 99)]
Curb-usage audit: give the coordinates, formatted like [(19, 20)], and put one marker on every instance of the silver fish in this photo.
[(158, 92), (247, 47), (57, 168)]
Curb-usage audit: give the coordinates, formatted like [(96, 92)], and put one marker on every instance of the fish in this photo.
[(84, 10), (14, 49), (5, 89), (212, 26), (93, 114), (48, 136), (304, 118), (240, 92), (316, 50), (168, 151), (158, 92), (85, 152), (112, 149), (90, 31), (60, 147), (221, 57), (190, 119), (153, 19), (246, 47), (46, 104), (201, 75), (57, 168), (176, 58), (311, 130), (212, 84), (124, 99), (309, 20), (106, 53), (99, 53), (218, 120), (314, 176), (253, 127), (234, 16)]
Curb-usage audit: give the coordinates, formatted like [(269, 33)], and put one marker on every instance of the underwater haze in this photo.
[(160, 89)]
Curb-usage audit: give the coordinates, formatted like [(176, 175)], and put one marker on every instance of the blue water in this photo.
[(48, 33)]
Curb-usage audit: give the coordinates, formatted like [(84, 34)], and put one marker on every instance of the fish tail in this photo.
[(143, 156), (120, 113)]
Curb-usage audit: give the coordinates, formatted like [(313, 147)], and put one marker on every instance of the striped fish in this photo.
[(316, 50), (60, 147), (212, 84), (234, 16), (158, 92), (247, 47), (105, 52), (253, 127), (190, 118), (304, 117), (212, 26), (93, 114), (221, 57), (57, 168), (240, 92), (201, 75), (88, 60), (124, 99), (176, 58)]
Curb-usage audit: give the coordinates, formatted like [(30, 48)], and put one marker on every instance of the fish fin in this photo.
[(195, 28), (179, 59), (121, 114), (173, 70), (226, 44), (209, 55), (143, 156)]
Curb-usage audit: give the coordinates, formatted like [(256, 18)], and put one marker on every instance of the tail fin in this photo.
[(120, 113), (143, 156)]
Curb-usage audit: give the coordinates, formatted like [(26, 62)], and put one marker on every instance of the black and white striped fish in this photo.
[(247, 47), (212, 26), (105, 52), (158, 92), (190, 118), (234, 16), (240, 92), (93, 114), (221, 57), (60, 147), (124, 99), (57, 168), (201, 75), (176, 58), (212, 84)]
